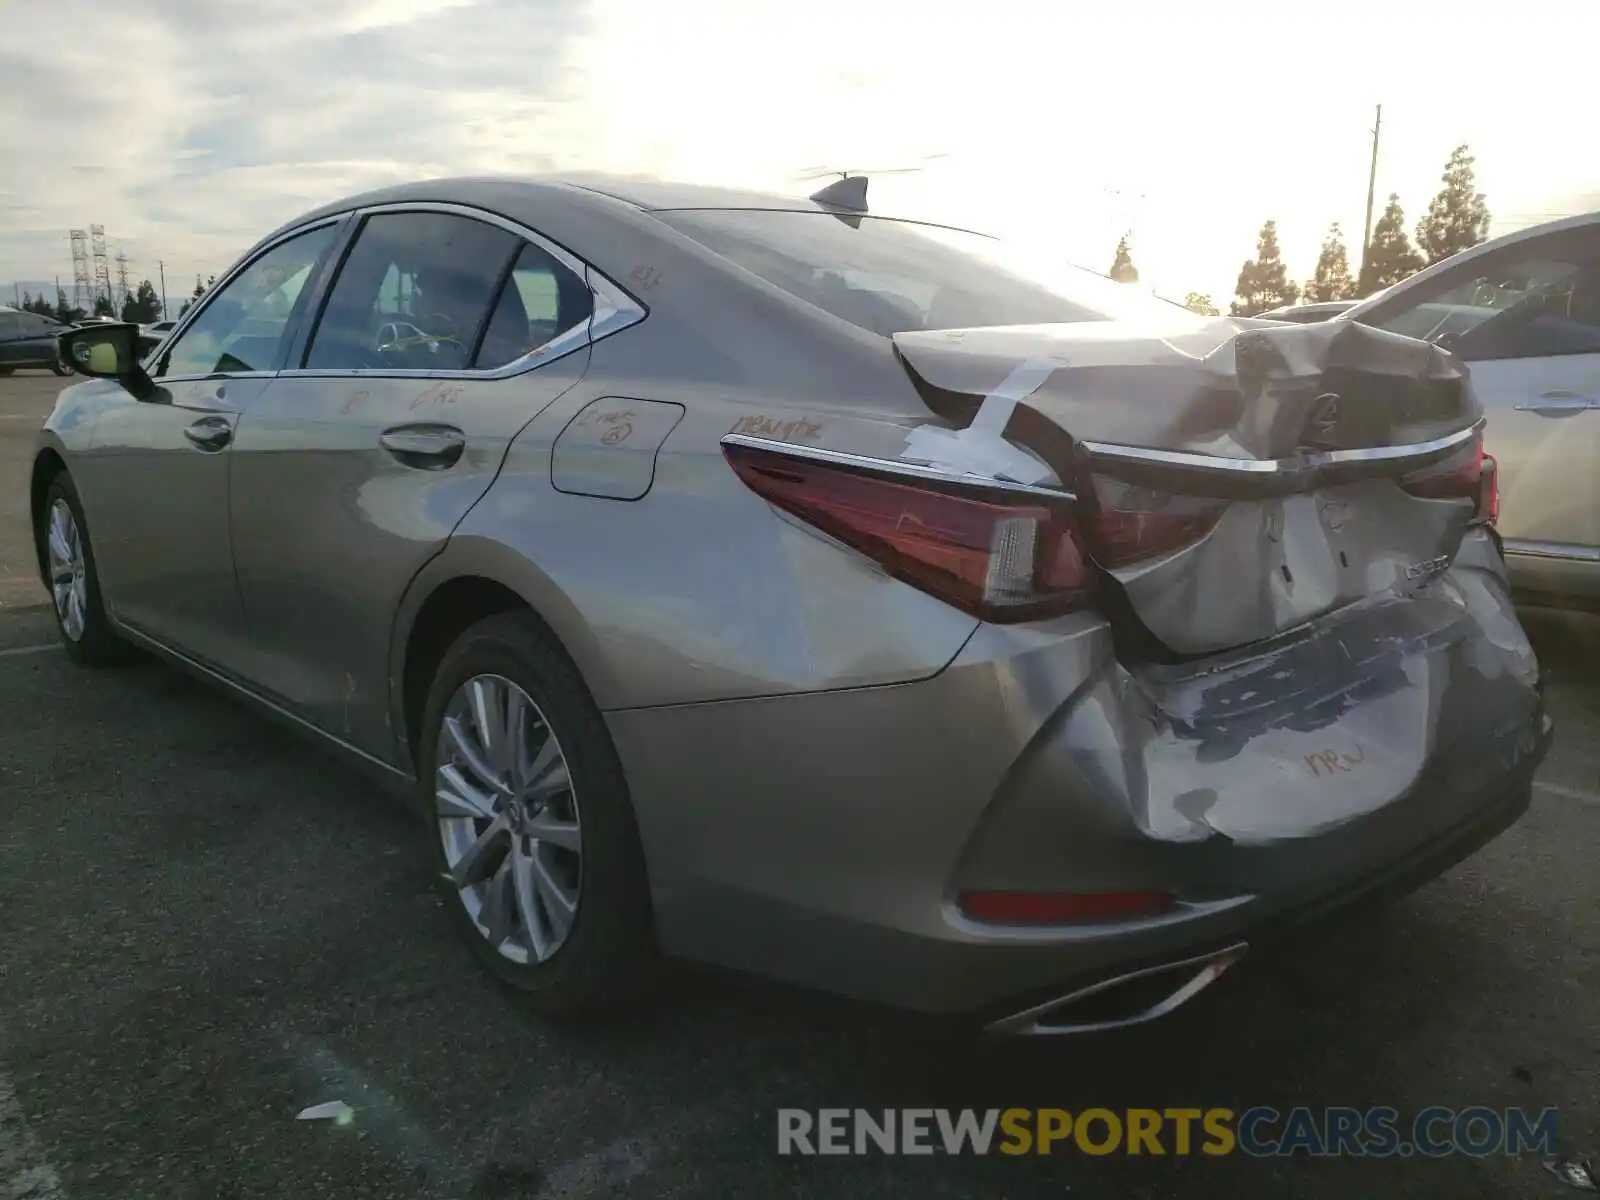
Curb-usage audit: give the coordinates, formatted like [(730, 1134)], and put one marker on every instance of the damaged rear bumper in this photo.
[(823, 838), (1145, 991)]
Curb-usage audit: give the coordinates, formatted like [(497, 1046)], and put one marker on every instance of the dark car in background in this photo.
[(29, 340)]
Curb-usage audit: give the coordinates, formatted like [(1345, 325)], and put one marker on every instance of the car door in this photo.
[(353, 469), (10, 338), (1527, 321), (155, 488)]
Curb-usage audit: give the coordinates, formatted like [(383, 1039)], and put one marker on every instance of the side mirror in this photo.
[(109, 351)]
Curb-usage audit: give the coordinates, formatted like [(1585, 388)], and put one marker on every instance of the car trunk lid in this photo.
[(1237, 479)]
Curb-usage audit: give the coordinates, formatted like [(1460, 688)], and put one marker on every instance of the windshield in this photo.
[(894, 276)]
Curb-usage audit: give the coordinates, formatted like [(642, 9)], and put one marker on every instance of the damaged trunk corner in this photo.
[(1236, 481)]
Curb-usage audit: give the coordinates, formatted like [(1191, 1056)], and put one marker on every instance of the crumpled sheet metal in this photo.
[(1229, 388), (1330, 728)]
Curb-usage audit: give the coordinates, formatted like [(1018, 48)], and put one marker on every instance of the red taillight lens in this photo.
[(1459, 477), (1138, 523), (1468, 474), (998, 556), (1059, 908)]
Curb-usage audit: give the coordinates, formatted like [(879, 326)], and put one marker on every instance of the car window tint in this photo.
[(1538, 301), (241, 327), (9, 324), (541, 301), (412, 295)]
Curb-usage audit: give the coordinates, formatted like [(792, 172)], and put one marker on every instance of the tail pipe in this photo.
[(1122, 1000)]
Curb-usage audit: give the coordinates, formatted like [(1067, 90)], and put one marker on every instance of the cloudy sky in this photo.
[(190, 127)]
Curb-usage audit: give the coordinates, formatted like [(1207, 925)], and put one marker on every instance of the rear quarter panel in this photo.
[(699, 590)]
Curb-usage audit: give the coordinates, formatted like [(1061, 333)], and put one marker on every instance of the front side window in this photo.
[(892, 276), (413, 294), (540, 302), (10, 324), (242, 327), (1536, 301)]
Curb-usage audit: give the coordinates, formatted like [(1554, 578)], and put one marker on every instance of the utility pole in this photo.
[(162, 267), (1372, 181)]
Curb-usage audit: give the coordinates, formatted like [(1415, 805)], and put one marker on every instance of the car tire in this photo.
[(86, 631), (61, 367), (6, 370), (607, 952)]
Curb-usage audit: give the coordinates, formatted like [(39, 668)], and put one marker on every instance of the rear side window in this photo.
[(539, 302), (10, 324), (893, 276), (414, 293)]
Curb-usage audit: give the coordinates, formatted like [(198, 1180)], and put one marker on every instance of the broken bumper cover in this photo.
[(1143, 991), (823, 838)]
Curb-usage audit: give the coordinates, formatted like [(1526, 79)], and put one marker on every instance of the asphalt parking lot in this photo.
[(208, 927)]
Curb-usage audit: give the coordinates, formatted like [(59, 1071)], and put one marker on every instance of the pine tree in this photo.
[(1458, 217), (103, 306), (1122, 268), (1201, 303), (1332, 280), (142, 305), (1391, 256), (1263, 280)]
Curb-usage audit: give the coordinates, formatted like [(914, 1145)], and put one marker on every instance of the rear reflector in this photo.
[(1001, 556), (1060, 908), (1138, 523)]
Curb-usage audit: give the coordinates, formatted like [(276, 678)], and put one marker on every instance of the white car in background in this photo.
[(1523, 311), (1310, 313)]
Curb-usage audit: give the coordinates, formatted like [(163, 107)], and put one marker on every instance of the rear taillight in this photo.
[(1135, 523), (1468, 474), (999, 555), (1489, 492)]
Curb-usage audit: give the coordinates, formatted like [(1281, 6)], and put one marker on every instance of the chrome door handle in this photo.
[(1557, 403), (210, 433), (429, 447)]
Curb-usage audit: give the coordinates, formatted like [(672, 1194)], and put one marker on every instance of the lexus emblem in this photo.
[(1321, 432)]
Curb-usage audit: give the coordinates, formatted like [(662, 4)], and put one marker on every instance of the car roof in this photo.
[(1492, 246), (638, 191)]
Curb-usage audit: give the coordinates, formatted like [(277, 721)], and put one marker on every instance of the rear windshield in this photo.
[(894, 276)]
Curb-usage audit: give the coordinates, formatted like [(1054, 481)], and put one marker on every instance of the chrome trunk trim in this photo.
[(885, 466)]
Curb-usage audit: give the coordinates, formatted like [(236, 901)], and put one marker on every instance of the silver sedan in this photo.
[(775, 584)]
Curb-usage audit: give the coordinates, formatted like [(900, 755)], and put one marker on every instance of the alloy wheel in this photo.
[(69, 585), (508, 819)]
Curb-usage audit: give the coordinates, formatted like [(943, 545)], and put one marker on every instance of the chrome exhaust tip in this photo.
[(1122, 1000)]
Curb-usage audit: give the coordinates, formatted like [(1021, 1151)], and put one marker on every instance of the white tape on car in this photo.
[(981, 448)]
